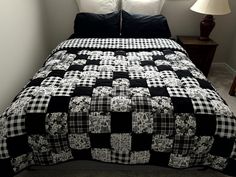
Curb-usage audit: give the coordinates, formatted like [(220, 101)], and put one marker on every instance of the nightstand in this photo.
[(200, 52)]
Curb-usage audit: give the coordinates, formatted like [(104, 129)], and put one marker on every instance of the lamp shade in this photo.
[(211, 7)]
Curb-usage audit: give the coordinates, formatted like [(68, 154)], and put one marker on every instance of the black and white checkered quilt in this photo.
[(126, 101)]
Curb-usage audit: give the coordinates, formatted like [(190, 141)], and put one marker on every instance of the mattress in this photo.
[(126, 101)]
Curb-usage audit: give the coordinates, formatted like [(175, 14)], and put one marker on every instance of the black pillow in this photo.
[(89, 25), (143, 26)]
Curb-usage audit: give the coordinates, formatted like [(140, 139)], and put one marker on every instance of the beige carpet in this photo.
[(220, 78)]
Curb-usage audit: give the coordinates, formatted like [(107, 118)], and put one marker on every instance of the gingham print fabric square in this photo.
[(58, 143), (72, 74), (168, 74), (182, 144), (51, 81), (177, 92), (120, 68), (105, 75), (3, 149), (86, 82), (136, 75), (225, 126), (78, 122), (28, 92), (107, 62), (189, 82), (38, 104), (63, 91), (212, 95), (16, 125), (163, 124), (100, 104), (141, 104), (155, 82), (202, 106), (133, 62), (91, 68), (120, 157), (150, 68)]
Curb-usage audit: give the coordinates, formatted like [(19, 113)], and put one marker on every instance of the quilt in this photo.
[(126, 101)]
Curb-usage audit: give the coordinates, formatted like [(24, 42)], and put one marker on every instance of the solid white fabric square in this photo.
[(144, 7), (98, 6)]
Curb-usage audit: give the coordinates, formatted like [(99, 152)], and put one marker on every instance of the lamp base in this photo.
[(206, 27)]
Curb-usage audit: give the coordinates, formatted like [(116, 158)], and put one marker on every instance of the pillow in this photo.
[(89, 25), (143, 26), (145, 7), (98, 6)]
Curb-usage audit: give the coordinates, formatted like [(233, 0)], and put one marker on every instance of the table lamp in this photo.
[(210, 7)]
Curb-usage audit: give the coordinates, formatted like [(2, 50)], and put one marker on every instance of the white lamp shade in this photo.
[(211, 7)]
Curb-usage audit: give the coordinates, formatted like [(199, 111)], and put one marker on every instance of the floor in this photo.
[(220, 78)]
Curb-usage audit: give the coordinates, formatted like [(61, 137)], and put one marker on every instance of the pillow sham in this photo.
[(144, 26), (98, 6), (89, 25), (145, 7)]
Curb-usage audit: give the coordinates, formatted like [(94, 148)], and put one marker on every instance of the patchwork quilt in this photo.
[(126, 101)]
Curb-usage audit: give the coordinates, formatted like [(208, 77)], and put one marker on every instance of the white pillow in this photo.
[(98, 6), (144, 7)]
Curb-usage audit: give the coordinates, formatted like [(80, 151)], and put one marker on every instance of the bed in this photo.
[(118, 100)]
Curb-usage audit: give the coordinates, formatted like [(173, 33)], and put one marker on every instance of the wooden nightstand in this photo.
[(200, 52)]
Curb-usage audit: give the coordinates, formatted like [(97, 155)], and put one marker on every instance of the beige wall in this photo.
[(232, 59), (23, 45)]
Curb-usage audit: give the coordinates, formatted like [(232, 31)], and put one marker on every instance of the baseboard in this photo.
[(224, 66)]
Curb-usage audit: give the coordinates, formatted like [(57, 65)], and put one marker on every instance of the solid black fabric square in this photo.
[(222, 146), (83, 91), (59, 104), (158, 57), (144, 63), (230, 168), (72, 51), (120, 52), (57, 73), (183, 73), (121, 122), (182, 105), (82, 57), (205, 125), (164, 68), (158, 91), (35, 123), (205, 84), (84, 154), (18, 145), (117, 75), (168, 52), (141, 142), (93, 62), (138, 83), (6, 168), (76, 68), (103, 82), (159, 158), (100, 140), (35, 82)]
